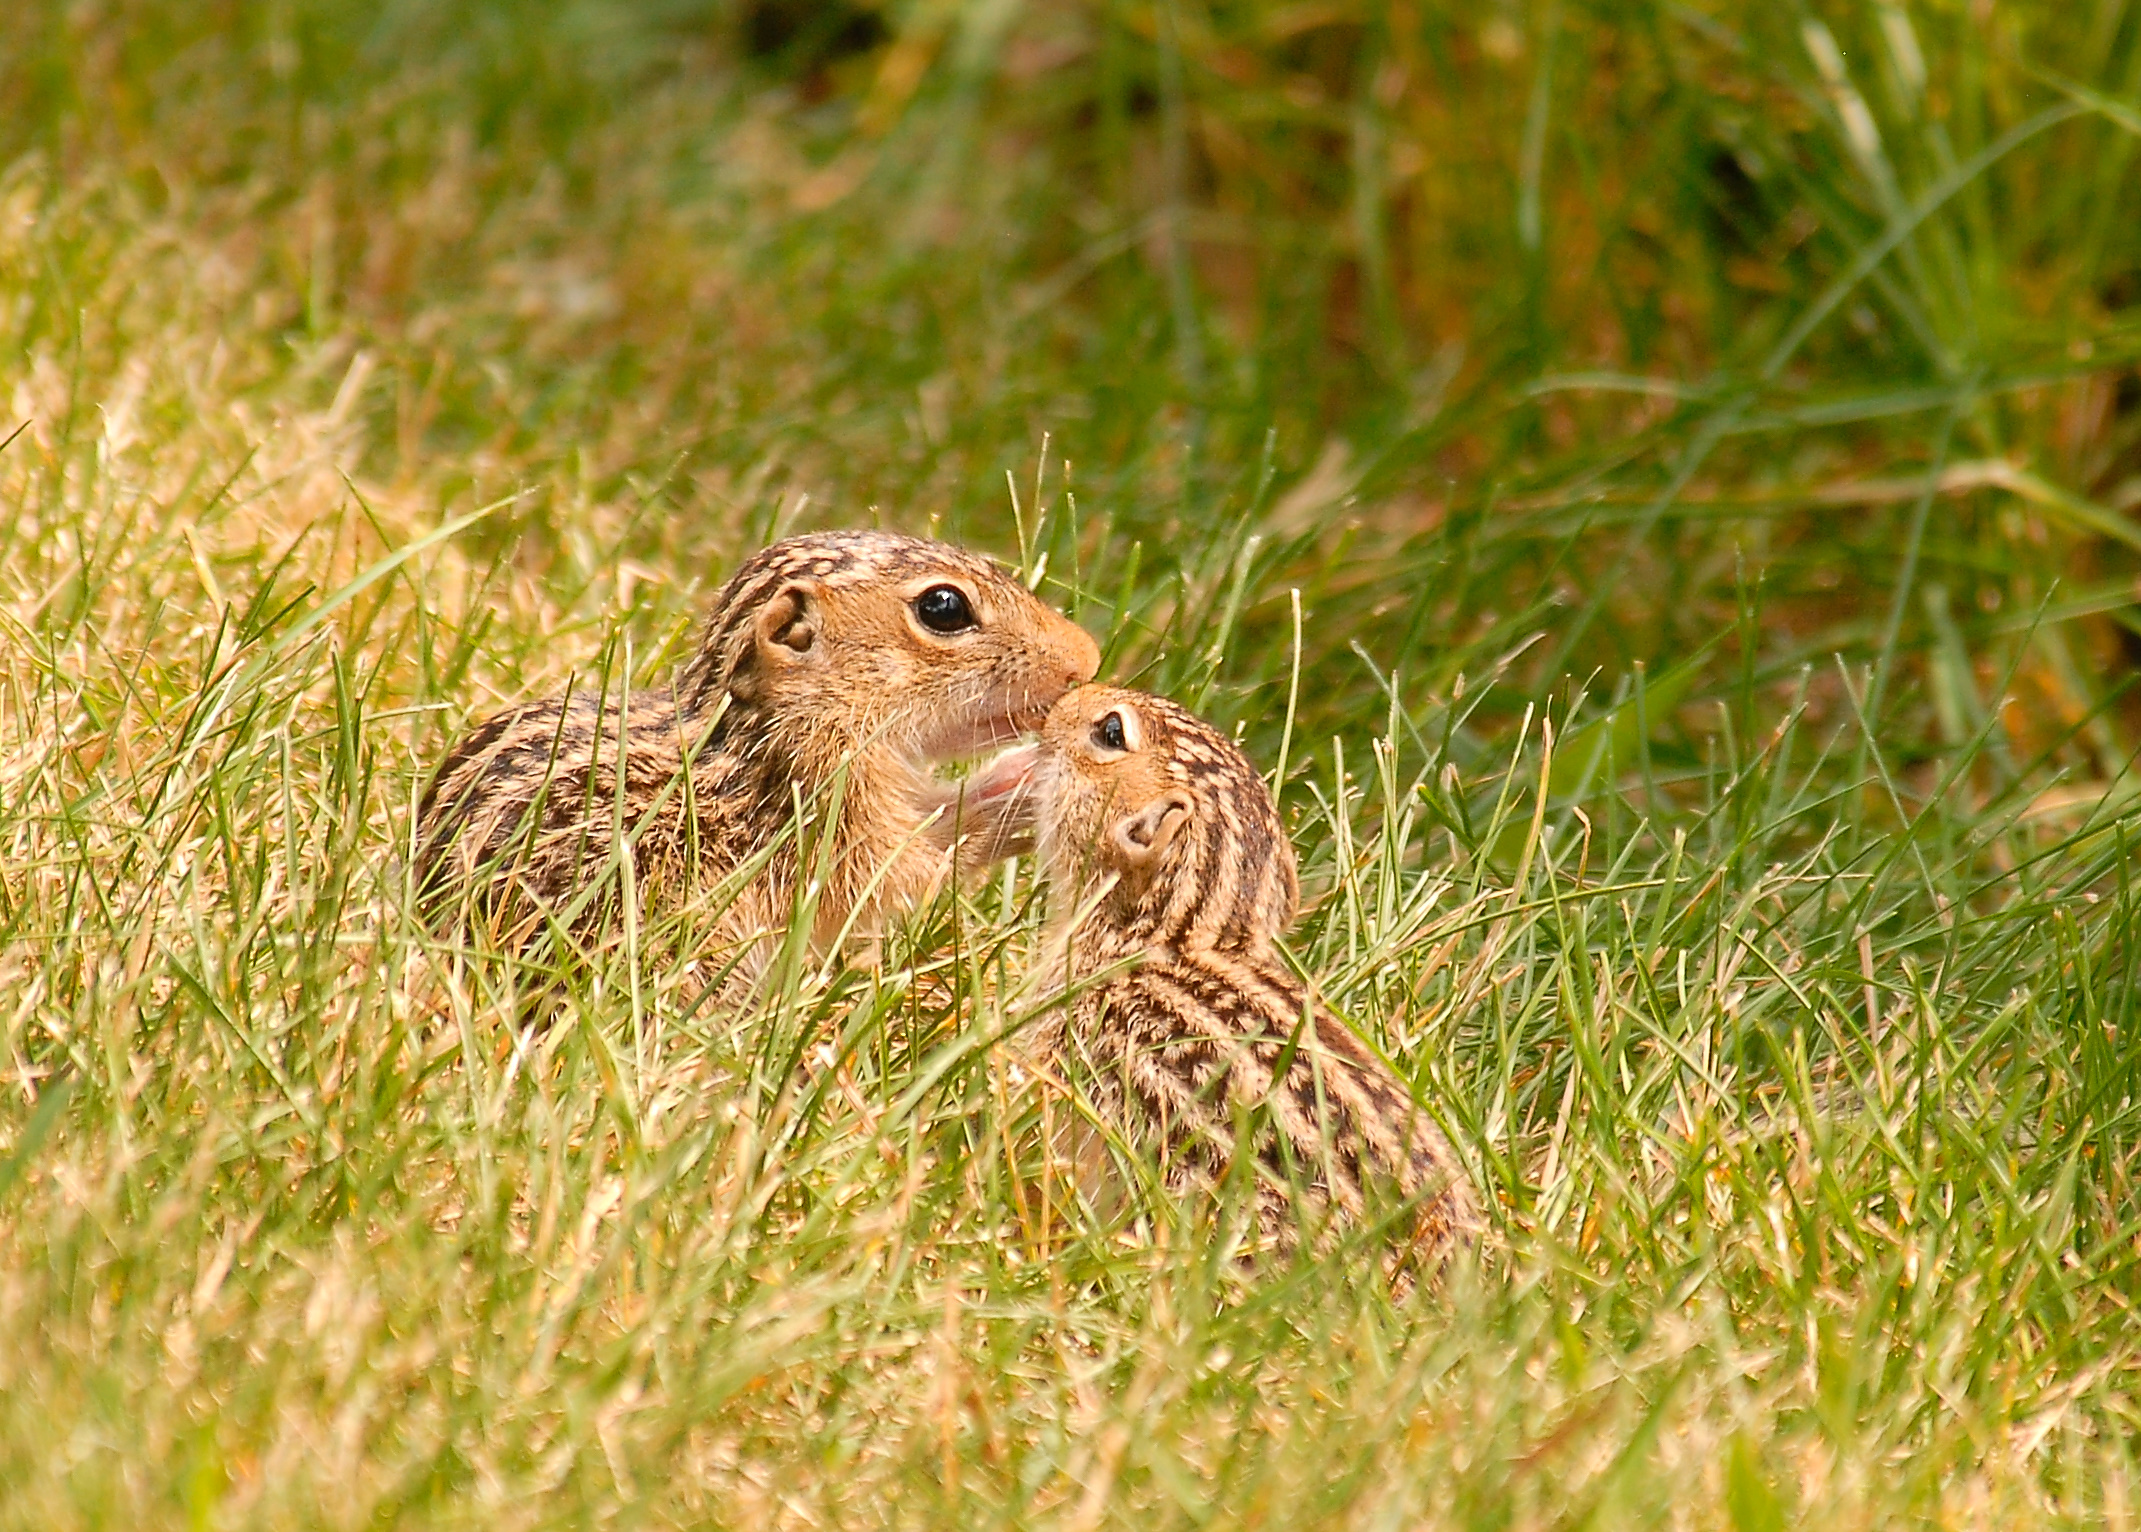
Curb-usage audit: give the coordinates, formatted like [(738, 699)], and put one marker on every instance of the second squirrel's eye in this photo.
[(1108, 732), (944, 609)]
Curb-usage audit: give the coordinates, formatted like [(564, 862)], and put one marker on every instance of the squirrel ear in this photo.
[(1142, 836), (787, 625), (783, 632)]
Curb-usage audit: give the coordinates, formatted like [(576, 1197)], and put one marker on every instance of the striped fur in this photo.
[(812, 677), (1173, 878)]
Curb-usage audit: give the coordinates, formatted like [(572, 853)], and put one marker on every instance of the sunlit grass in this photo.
[(1660, 483)]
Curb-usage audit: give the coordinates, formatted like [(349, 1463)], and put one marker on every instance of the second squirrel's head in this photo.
[(833, 644), (1142, 804)]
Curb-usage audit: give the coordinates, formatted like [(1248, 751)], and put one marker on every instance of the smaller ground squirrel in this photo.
[(1171, 878), (835, 663)]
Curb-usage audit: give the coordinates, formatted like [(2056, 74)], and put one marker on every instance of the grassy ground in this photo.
[(1656, 482)]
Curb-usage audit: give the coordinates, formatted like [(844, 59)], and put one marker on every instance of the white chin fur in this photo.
[(1009, 772), (970, 739), (991, 787)]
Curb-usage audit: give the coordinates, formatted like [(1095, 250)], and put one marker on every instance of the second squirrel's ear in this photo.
[(783, 633), (1142, 836)]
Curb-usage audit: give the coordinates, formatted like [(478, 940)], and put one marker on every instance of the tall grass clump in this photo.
[(1656, 484)]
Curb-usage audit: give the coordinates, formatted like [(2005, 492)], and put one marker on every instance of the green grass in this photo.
[(1683, 462)]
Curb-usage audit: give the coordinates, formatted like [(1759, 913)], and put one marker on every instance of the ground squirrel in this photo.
[(834, 667), (1172, 878)]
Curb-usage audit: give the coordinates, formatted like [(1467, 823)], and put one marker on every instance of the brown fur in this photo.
[(1172, 879), (814, 680)]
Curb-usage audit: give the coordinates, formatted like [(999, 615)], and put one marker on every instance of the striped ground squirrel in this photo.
[(1171, 880), (834, 670)]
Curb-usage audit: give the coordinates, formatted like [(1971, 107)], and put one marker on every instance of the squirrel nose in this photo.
[(1085, 658)]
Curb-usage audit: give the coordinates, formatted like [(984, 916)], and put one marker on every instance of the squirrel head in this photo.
[(1154, 819), (834, 646)]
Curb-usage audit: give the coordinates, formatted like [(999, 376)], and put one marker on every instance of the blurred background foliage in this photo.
[(1601, 325)]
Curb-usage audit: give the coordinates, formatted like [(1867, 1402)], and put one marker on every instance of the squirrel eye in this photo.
[(944, 609), (1108, 733)]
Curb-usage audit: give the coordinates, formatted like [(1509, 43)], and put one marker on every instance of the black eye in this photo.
[(944, 609), (1108, 733)]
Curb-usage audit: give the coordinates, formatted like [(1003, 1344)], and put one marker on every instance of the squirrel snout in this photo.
[(1084, 657)]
